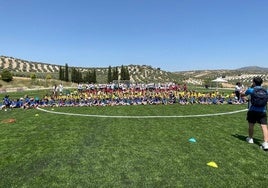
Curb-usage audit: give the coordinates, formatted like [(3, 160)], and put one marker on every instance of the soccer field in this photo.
[(130, 146)]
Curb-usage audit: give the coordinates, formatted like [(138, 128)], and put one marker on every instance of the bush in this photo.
[(33, 76), (6, 75)]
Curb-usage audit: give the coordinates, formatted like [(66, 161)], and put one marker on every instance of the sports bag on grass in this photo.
[(259, 97)]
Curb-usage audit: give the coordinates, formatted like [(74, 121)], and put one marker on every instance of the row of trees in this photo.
[(113, 74), (77, 76), (90, 76)]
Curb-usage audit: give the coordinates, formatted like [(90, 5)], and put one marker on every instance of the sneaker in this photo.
[(250, 140), (264, 145)]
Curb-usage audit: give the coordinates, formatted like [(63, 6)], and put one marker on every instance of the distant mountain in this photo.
[(253, 68)]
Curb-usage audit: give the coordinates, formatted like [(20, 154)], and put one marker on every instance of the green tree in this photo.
[(90, 77), (124, 73), (73, 75), (48, 77), (80, 77), (94, 76), (33, 76), (127, 76), (66, 73), (76, 75), (115, 74), (110, 78), (87, 77), (6, 75), (61, 74)]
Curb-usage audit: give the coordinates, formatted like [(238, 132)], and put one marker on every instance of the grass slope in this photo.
[(53, 150)]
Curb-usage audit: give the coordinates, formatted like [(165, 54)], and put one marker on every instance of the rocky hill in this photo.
[(138, 73)]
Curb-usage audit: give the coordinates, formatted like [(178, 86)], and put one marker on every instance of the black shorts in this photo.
[(257, 117)]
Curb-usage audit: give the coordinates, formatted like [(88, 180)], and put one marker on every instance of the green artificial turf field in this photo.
[(73, 149)]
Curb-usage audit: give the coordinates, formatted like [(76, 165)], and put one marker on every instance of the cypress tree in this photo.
[(94, 76), (110, 78), (73, 75), (66, 73), (87, 78), (127, 76), (122, 74), (115, 74), (78, 76), (61, 74)]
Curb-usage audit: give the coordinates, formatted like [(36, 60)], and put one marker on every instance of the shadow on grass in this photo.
[(243, 138)]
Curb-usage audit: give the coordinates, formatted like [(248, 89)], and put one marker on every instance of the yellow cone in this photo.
[(212, 164)]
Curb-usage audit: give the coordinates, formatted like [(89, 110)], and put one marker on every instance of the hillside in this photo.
[(242, 75), (138, 73), (254, 68)]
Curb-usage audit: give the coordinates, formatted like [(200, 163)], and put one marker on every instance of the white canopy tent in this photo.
[(219, 80)]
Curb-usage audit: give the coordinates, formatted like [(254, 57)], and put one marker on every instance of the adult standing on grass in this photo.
[(61, 89), (257, 110), (238, 90)]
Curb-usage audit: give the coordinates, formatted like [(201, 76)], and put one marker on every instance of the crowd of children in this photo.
[(109, 95)]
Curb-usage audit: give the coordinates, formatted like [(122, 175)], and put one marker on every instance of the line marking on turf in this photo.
[(140, 117)]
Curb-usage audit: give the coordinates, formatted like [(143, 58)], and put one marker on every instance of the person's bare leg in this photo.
[(251, 130), (265, 136), (249, 139), (265, 132)]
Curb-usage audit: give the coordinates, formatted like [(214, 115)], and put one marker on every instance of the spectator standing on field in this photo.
[(238, 90), (61, 88), (55, 90), (257, 110)]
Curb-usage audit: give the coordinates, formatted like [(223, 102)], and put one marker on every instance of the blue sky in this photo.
[(173, 35)]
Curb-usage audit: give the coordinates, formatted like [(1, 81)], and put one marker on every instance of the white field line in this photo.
[(142, 117)]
